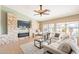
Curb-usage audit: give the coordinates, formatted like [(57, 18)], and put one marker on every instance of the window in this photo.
[(51, 28), (60, 26), (74, 27), (48, 28), (45, 28)]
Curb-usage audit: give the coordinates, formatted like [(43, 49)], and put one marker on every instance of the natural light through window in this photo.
[(58, 27)]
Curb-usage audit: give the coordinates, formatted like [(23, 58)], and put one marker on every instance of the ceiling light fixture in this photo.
[(41, 11)]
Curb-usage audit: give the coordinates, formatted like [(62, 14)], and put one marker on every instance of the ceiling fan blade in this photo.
[(36, 11), (46, 10), (36, 14), (45, 13), (40, 7)]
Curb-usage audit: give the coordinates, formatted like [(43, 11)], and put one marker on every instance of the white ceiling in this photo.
[(55, 11)]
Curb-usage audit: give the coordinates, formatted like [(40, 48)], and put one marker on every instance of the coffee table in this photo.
[(38, 43)]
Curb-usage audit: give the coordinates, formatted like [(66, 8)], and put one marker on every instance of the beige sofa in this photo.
[(52, 49)]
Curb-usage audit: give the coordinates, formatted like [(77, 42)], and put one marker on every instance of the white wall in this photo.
[(0, 19), (3, 22), (34, 27)]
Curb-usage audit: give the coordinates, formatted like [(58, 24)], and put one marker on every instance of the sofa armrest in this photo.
[(52, 49)]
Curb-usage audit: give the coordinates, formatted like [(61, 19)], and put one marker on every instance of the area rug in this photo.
[(29, 48)]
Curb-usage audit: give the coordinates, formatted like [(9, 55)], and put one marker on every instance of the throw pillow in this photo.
[(65, 48)]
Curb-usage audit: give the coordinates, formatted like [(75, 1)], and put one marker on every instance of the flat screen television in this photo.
[(24, 24)]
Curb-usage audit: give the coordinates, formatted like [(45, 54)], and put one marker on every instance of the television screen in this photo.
[(24, 24)]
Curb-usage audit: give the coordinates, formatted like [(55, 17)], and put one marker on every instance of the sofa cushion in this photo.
[(65, 48), (57, 35)]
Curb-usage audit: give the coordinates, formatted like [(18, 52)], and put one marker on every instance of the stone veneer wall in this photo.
[(12, 17)]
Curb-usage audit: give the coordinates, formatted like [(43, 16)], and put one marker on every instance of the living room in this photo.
[(24, 29)]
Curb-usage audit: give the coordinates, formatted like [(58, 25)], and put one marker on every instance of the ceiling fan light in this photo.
[(41, 11)]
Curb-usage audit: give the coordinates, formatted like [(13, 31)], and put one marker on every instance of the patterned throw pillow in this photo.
[(65, 48)]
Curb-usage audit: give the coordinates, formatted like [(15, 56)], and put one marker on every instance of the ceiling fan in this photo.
[(41, 11)]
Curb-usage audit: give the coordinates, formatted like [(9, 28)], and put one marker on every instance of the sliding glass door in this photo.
[(74, 26), (48, 28), (58, 27)]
